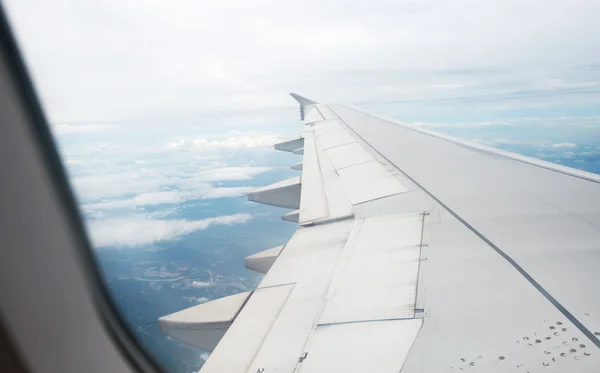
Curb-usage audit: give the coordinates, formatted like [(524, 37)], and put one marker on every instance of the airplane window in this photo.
[(165, 115)]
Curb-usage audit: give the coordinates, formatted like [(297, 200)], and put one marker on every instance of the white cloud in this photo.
[(231, 173), (199, 184), (227, 192), (110, 185), (200, 284), (168, 197), (144, 199), (204, 356), (564, 145), (128, 58), (231, 141), (136, 231), (579, 121), (149, 183), (158, 214), (501, 141), (157, 198), (79, 129)]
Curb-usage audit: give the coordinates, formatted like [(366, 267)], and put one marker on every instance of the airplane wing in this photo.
[(415, 252)]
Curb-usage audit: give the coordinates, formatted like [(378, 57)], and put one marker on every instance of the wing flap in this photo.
[(377, 279), (361, 347), (337, 173), (313, 199), (326, 127), (333, 139), (338, 204), (244, 338), (369, 181), (320, 265), (348, 155)]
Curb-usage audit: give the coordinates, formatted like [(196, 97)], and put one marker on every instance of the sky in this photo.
[(154, 61), (157, 103)]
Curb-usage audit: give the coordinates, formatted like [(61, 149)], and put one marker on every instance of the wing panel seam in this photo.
[(270, 327), (361, 321), (424, 215)]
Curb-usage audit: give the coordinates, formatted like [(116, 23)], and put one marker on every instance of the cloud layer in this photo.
[(130, 232), (124, 59), (234, 141), (167, 198), (564, 145)]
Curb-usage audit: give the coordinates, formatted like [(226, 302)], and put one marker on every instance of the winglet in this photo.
[(304, 102)]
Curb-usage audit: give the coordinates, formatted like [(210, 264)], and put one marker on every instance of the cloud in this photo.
[(232, 141), (113, 61), (136, 231), (227, 192), (204, 356), (167, 198), (116, 184), (199, 185), (564, 145), (231, 173), (494, 142), (200, 284), (158, 214), (149, 183), (497, 141), (79, 129), (144, 199), (580, 121), (158, 198), (502, 141)]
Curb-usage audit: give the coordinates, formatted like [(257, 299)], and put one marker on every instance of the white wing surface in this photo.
[(415, 252)]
